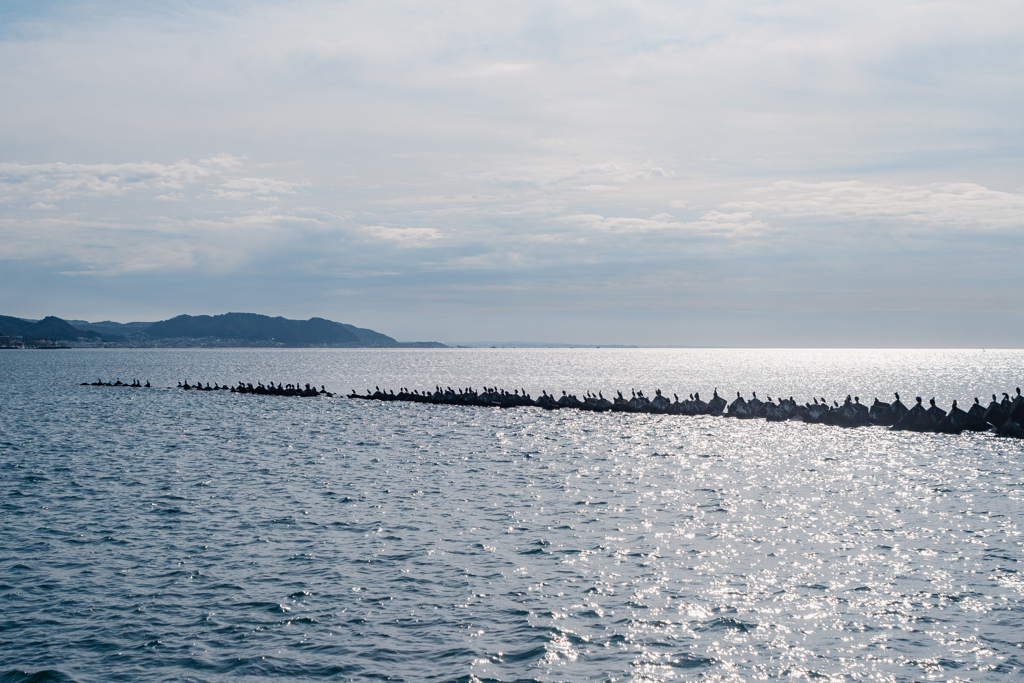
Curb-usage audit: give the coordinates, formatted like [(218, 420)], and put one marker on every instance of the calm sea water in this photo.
[(165, 535)]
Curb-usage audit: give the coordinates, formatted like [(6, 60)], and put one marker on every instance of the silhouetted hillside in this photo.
[(12, 327), (48, 328), (369, 337), (251, 327), (229, 329), (111, 328)]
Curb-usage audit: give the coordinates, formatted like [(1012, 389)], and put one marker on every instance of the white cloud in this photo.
[(738, 224), (494, 70), (45, 185), (97, 245), (243, 188), (965, 206), (404, 237), (638, 175), (58, 181), (427, 136), (225, 160)]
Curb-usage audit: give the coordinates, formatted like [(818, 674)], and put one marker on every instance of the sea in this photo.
[(168, 535)]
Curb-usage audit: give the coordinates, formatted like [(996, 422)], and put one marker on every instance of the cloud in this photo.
[(58, 181), (47, 184), (103, 246), (244, 188), (516, 144), (223, 160), (404, 237), (962, 206), (494, 70), (737, 224)]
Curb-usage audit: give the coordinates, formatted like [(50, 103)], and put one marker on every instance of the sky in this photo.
[(756, 173)]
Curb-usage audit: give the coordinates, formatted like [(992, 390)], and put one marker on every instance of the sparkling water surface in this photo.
[(166, 535)]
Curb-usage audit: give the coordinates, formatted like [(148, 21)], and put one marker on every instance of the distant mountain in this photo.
[(370, 338), (229, 329), (50, 328), (110, 327), (251, 327)]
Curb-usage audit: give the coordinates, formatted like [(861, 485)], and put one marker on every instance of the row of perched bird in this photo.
[(243, 388), (118, 383), (260, 389), (1005, 417)]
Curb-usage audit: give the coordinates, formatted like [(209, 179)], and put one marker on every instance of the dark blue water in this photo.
[(166, 535)]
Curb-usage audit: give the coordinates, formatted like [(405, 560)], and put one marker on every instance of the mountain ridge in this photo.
[(50, 328), (224, 330)]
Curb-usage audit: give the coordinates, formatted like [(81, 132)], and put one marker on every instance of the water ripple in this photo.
[(177, 536)]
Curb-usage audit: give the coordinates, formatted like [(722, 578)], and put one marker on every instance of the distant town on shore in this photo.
[(187, 331)]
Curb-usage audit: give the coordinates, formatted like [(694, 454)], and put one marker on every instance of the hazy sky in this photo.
[(731, 173)]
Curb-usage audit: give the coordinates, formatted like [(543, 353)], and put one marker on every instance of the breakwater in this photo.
[(118, 383), (260, 389), (1004, 417), (271, 390)]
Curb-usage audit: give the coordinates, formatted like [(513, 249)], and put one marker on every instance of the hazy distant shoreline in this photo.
[(229, 330)]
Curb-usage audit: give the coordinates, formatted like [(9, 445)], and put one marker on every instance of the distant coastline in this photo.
[(537, 345), (229, 330)]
